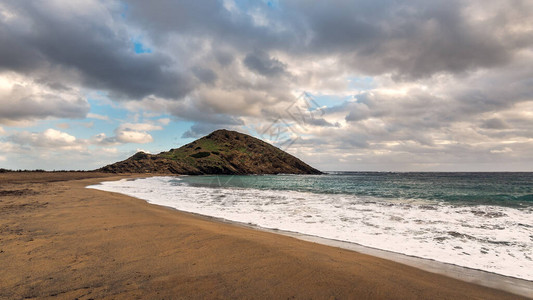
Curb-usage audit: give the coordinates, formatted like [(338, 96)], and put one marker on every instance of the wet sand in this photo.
[(61, 240)]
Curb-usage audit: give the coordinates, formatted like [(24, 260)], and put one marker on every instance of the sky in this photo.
[(344, 85)]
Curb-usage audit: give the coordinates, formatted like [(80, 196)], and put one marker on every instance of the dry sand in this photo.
[(61, 240)]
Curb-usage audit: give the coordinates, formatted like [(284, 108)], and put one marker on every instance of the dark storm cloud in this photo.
[(211, 19), (411, 39), (103, 55), (494, 123), (260, 62), (206, 76), (408, 38), (15, 53)]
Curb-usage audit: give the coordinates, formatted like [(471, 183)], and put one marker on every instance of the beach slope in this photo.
[(61, 240)]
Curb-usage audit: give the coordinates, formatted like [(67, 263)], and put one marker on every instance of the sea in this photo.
[(481, 221)]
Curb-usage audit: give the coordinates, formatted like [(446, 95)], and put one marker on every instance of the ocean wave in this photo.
[(496, 239)]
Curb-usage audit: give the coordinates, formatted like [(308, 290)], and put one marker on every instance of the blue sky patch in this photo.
[(139, 48)]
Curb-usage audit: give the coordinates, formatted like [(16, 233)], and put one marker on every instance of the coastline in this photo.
[(509, 284), (61, 239)]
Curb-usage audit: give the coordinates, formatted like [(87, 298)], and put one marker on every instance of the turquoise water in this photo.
[(502, 189), (477, 220)]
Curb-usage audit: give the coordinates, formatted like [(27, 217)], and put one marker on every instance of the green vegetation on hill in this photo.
[(221, 152)]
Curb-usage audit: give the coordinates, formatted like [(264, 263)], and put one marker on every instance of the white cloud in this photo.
[(142, 150), (136, 133), (8, 147), (23, 98), (138, 127), (97, 116), (100, 139), (58, 136), (128, 136), (504, 150), (52, 149), (50, 138)]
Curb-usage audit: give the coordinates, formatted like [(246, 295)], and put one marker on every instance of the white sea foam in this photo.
[(490, 238)]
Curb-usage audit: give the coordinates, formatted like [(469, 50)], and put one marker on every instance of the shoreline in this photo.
[(510, 284), (60, 239), (515, 285), (467, 273)]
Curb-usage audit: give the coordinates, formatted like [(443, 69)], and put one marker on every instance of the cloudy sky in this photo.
[(345, 85)]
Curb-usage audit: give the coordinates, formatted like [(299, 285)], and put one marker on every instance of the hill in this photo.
[(221, 152)]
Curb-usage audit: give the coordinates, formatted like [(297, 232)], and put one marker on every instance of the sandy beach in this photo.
[(61, 240)]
